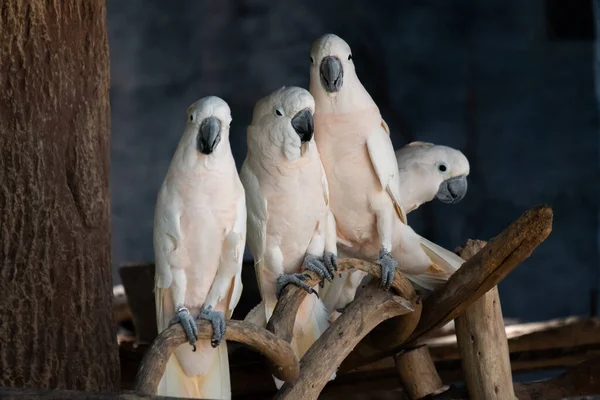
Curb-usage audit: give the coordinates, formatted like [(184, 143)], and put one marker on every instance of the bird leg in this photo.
[(217, 319), (186, 320)]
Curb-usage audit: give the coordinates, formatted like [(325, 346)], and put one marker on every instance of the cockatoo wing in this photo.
[(256, 206), (383, 159)]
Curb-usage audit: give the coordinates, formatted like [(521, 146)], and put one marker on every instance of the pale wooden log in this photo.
[(472, 280), (284, 315), (582, 380), (482, 342), (371, 306), (153, 365), (417, 373)]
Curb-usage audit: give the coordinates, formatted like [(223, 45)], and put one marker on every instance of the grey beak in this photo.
[(209, 135), (332, 74), (304, 125), (452, 190)]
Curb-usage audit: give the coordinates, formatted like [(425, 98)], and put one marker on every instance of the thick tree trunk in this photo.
[(56, 322)]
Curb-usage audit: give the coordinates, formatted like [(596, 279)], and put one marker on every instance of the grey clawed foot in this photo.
[(330, 261), (388, 268), (186, 320), (319, 266), (294, 279), (217, 319)]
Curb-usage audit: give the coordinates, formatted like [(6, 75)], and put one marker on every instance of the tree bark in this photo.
[(56, 321)]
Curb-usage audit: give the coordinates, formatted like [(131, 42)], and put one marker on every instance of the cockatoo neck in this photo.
[(352, 97), (190, 161), (414, 191)]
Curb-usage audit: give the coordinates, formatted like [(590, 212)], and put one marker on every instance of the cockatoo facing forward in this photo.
[(426, 171), (290, 227), (199, 238), (362, 172)]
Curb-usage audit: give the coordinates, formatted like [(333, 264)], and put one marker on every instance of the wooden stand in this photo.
[(483, 344), (417, 373)]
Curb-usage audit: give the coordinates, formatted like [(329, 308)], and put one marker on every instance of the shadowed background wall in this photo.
[(510, 83)]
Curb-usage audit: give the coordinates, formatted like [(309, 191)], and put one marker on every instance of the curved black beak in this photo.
[(332, 74), (452, 190), (304, 125), (209, 135)]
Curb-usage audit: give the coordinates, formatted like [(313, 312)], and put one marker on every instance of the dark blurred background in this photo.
[(510, 83)]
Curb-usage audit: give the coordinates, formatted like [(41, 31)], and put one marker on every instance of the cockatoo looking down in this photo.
[(290, 226), (199, 239), (362, 173), (426, 171)]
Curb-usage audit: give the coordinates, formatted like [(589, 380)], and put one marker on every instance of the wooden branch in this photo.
[(152, 367), (582, 380), (371, 306), (482, 342), (417, 373), (533, 336), (475, 277), (284, 315)]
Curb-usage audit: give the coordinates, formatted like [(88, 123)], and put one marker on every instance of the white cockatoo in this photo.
[(362, 173), (199, 239), (290, 226), (426, 171)]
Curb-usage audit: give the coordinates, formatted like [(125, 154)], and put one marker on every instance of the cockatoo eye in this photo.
[(312, 60), (279, 112), (191, 117), (442, 167), (349, 56)]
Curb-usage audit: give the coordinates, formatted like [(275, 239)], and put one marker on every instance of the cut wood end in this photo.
[(408, 306)]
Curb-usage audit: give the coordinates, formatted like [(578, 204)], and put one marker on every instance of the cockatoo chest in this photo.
[(342, 144), (296, 205)]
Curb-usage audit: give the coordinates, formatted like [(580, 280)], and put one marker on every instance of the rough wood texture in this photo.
[(19, 394), (279, 352), (482, 342), (582, 380), (417, 373), (476, 276), (284, 315), (57, 325), (532, 336), (371, 306), (555, 344)]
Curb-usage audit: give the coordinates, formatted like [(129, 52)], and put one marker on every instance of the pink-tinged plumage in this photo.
[(362, 173), (288, 213), (199, 238)]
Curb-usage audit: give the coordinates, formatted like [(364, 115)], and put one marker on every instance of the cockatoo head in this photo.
[(208, 121), (429, 171), (282, 123), (331, 63)]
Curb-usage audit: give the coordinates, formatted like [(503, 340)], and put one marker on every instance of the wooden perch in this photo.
[(284, 315), (417, 373), (482, 342), (154, 362), (474, 278), (582, 380), (371, 306)]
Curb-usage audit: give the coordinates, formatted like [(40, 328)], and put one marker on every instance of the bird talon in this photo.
[(388, 268), (217, 319), (295, 279)]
